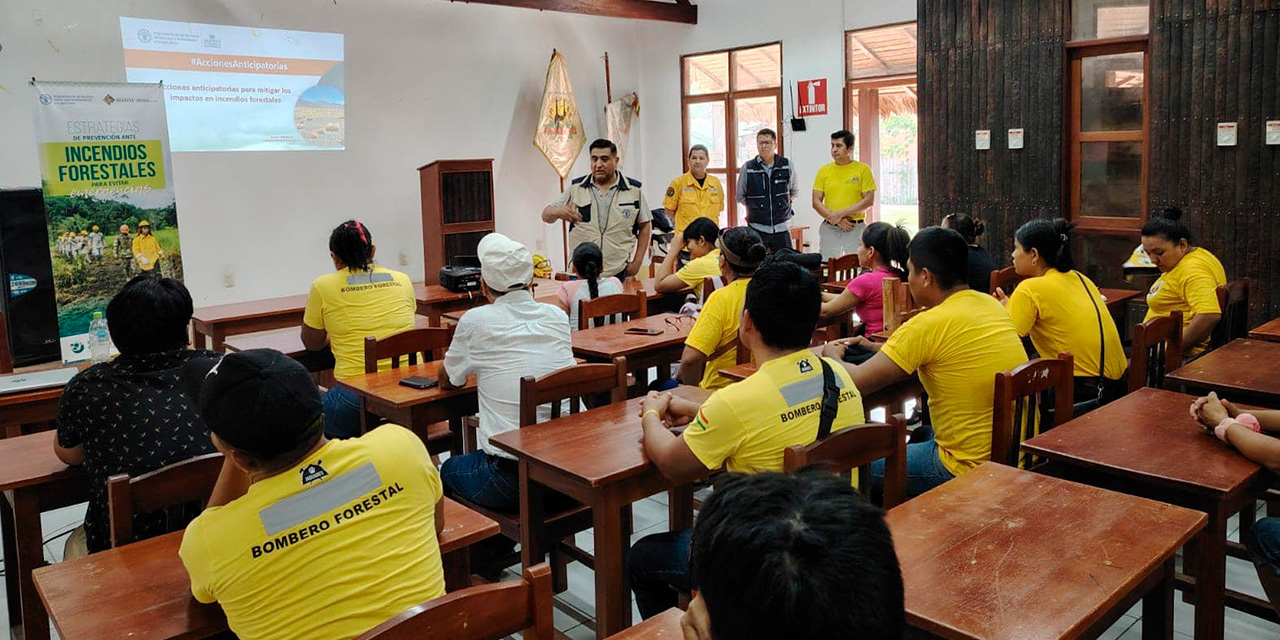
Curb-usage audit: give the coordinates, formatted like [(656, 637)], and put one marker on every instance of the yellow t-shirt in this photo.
[(1190, 287), (716, 330), (957, 348), (352, 305), (691, 200), (697, 270), (1055, 310), (747, 426), (844, 186), (329, 549)]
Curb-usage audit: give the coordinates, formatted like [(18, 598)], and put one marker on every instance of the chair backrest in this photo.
[(797, 238), (897, 302), (6, 354), (842, 268), (485, 612), (709, 285), (1006, 278), (629, 305), (1157, 350), (1233, 299), (1030, 400), (182, 483), (856, 448), (574, 383), (431, 342)]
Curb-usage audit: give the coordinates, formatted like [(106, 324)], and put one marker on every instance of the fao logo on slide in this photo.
[(46, 99), (144, 36)]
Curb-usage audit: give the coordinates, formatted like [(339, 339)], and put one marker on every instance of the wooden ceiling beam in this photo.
[(681, 11)]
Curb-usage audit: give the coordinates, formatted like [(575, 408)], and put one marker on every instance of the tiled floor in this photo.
[(650, 516)]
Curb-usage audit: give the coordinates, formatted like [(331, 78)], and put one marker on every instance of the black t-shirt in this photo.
[(980, 269), (132, 417), (702, 182)]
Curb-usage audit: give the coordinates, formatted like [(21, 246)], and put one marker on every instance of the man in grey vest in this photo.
[(767, 185), (608, 209)]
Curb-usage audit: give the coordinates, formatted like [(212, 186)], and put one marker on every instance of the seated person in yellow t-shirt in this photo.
[(743, 428), (712, 344), (1189, 280), (699, 239), (358, 299), (956, 346), (306, 537)]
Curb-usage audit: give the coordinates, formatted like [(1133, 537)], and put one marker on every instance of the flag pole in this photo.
[(608, 84)]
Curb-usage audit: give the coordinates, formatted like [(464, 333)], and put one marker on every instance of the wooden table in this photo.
[(33, 481), (434, 300), (384, 396), (1242, 370), (1146, 444), (664, 626), (1118, 298), (596, 458), (603, 344), (141, 590), (1269, 331), (217, 322), (1004, 553)]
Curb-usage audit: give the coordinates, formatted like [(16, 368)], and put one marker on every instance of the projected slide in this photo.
[(241, 88)]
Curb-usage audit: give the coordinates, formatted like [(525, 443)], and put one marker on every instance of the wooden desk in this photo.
[(596, 458), (603, 344), (33, 481), (141, 590), (1269, 332), (1242, 370), (1004, 553), (664, 626), (1118, 298), (434, 300), (1147, 444), (217, 322), (384, 396)]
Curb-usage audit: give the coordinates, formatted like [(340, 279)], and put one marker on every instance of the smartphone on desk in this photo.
[(642, 331), (418, 382)]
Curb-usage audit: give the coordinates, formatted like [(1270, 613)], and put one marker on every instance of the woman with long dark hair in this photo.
[(587, 263), (884, 251)]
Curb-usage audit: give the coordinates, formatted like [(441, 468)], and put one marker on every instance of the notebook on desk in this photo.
[(36, 380)]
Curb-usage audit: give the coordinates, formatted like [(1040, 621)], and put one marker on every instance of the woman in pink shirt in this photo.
[(884, 251)]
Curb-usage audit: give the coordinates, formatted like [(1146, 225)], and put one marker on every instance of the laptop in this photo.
[(37, 380)]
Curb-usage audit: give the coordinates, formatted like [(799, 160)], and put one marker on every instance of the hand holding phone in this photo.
[(418, 382)]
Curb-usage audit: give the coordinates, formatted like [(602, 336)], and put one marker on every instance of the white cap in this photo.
[(505, 264)]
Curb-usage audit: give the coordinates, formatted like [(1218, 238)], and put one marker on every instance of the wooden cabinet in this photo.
[(457, 210)]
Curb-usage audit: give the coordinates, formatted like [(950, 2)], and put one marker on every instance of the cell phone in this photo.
[(641, 331), (418, 382)]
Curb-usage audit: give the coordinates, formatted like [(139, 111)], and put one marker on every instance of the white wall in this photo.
[(426, 80)]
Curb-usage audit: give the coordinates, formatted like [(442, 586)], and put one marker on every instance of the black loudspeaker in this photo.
[(798, 124), (30, 307)]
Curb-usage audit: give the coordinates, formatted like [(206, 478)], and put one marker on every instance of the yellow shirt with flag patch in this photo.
[(1190, 287), (957, 348), (844, 185), (691, 200), (746, 427), (351, 305), (715, 333), (328, 549)]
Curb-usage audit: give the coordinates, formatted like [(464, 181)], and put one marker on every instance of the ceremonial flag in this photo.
[(619, 113), (559, 135)]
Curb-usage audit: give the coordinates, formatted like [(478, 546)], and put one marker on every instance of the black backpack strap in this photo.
[(830, 400), (1102, 336)]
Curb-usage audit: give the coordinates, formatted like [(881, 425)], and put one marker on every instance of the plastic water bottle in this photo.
[(99, 338)]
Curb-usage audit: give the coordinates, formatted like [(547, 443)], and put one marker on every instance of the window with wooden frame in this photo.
[(881, 109), (726, 97), (1108, 108)]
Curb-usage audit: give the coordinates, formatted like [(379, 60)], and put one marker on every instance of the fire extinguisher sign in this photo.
[(813, 97)]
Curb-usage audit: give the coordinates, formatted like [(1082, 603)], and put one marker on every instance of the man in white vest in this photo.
[(608, 209)]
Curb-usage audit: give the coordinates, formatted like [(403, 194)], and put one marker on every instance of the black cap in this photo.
[(259, 401)]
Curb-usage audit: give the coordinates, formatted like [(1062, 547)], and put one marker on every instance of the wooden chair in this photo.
[(629, 305), (1030, 400), (485, 612), (6, 353), (709, 285), (1157, 350), (165, 489), (579, 384), (897, 302), (1006, 278), (797, 238), (842, 269), (428, 344), (856, 448), (1233, 299)]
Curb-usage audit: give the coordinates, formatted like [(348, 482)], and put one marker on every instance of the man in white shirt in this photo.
[(501, 343)]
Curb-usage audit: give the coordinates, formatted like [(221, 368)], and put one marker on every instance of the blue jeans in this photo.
[(656, 564), (489, 481), (341, 413), (924, 468), (1263, 542)]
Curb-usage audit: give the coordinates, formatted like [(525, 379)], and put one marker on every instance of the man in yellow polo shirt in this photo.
[(843, 191), (956, 346), (695, 194), (745, 427)]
